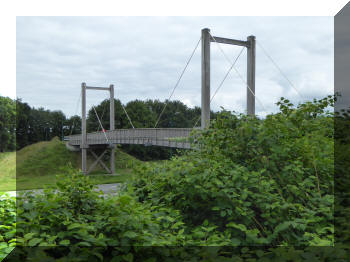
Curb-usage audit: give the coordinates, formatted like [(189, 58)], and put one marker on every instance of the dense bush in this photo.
[(259, 182), (76, 223), (252, 190), (7, 224)]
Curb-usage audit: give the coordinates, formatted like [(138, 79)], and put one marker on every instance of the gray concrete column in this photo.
[(205, 114), (83, 129), (251, 75), (112, 126)]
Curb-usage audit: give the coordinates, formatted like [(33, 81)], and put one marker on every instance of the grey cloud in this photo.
[(144, 56)]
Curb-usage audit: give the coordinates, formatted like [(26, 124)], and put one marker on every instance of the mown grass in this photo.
[(38, 164), (7, 171)]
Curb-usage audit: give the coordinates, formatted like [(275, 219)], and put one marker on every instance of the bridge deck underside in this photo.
[(167, 137)]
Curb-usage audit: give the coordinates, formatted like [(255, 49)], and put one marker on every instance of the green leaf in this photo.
[(129, 257), (74, 226), (238, 226), (100, 256), (130, 234), (65, 242), (28, 235), (84, 244), (34, 241), (235, 242)]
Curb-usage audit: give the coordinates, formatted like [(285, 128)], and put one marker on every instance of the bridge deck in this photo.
[(168, 137)]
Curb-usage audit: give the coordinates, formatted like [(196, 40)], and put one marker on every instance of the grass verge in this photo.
[(37, 166)]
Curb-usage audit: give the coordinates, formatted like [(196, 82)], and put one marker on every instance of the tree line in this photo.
[(7, 124), (22, 125)]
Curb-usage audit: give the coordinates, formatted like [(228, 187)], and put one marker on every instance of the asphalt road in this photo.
[(107, 189)]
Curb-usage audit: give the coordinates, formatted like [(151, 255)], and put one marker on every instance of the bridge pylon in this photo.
[(207, 38), (84, 145)]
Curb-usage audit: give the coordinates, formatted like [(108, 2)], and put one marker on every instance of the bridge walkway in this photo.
[(167, 137)]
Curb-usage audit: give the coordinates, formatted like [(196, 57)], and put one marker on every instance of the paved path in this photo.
[(108, 189)]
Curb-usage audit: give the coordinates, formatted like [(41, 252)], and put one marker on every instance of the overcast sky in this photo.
[(144, 56)]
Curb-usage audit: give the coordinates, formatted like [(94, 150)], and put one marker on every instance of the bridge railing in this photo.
[(170, 137)]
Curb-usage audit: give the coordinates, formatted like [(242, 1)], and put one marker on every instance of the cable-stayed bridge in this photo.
[(167, 137)]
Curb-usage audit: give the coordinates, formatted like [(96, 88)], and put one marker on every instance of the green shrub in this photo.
[(7, 224), (253, 190), (258, 182), (90, 225)]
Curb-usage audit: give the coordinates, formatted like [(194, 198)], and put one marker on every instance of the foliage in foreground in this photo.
[(258, 182), (7, 224), (79, 224), (256, 190)]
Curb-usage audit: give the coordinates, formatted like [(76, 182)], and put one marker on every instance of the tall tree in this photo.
[(140, 114), (102, 111), (72, 125), (7, 124), (57, 120), (22, 124)]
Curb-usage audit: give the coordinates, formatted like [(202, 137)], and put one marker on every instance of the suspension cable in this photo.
[(279, 69), (240, 76), (76, 110), (222, 82), (103, 130), (127, 115), (178, 81), (103, 113)]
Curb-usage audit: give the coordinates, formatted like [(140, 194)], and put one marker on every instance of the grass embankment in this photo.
[(38, 164), (7, 171)]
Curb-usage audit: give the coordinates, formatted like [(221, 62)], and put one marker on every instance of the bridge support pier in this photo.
[(113, 160), (205, 114), (84, 145), (98, 159), (111, 125), (83, 160), (250, 45), (251, 75), (84, 142)]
